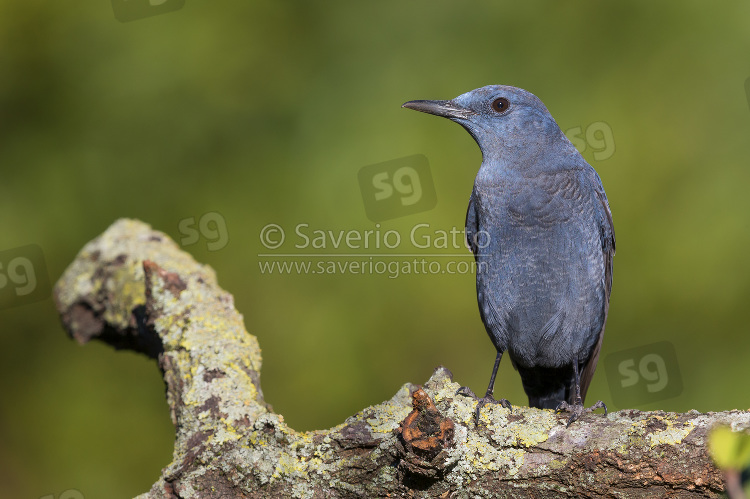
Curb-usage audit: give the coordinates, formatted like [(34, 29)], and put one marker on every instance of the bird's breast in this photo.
[(543, 271), (544, 200)]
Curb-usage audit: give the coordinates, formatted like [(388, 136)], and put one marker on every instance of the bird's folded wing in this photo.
[(472, 225), (607, 234)]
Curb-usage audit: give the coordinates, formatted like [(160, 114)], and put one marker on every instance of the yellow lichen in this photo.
[(671, 435), (529, 430), (482, 455)]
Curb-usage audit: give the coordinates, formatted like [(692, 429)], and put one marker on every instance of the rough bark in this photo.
[(134, 288)]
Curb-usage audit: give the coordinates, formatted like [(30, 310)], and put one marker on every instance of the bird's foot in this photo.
[(481, 402), (577, 409)]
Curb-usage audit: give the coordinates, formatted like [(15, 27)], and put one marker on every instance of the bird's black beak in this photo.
[(445, 108)]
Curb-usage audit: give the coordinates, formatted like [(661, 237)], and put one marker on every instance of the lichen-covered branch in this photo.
[(134, 288)]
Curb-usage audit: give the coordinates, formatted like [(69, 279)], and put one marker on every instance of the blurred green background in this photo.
[(264, 112)]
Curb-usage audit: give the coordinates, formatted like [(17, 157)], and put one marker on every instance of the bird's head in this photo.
[(505, 121)]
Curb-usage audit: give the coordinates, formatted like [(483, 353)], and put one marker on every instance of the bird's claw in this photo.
[(481, 402), (577, 409)]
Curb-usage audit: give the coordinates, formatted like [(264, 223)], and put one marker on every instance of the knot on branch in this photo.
[(425, 436)]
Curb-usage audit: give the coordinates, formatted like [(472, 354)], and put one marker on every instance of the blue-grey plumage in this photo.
[(541, 231)]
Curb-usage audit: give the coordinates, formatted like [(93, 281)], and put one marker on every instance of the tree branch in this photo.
[(133, 288)]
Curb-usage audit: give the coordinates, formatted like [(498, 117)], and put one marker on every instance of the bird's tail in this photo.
[(548, 386), (549, 401)]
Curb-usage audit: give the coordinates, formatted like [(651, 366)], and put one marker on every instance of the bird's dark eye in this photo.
[(500, 104)]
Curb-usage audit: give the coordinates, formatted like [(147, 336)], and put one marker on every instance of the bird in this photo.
[(541, 231)]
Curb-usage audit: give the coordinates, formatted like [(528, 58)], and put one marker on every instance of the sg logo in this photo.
[(211, 225), (23, 276), (642, 375), (397, 188), (131, 10), (598, 137)]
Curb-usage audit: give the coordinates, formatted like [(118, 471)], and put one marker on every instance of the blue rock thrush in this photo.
[(541, 231)]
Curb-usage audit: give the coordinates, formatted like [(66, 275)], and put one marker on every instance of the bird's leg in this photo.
[(576, 409), (488, 398)]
